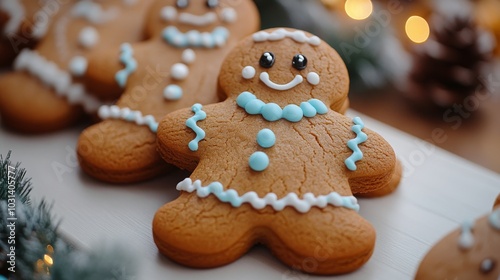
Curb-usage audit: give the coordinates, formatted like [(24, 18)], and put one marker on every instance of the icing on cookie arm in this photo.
[(377, 170), (101, 73), (181, 134)]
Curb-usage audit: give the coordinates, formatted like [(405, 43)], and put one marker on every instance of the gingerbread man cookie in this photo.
[(22, 24), (273, 164), (470, 252), (176, 67), (46, 91)]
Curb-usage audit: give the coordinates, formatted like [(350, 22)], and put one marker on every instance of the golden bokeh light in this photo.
[(358, 9), (48, 260), (417, 29)]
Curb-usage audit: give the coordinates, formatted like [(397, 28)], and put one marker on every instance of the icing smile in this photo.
[(264, 77), (206, 19)]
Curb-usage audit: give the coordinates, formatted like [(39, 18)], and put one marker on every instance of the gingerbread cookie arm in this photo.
[(100, 76), (378, 171), (180, 135)]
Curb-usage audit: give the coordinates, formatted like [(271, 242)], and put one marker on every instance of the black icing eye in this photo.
[(212, 3), (267, 60), (487, 266), (299, 62), (181, 4)]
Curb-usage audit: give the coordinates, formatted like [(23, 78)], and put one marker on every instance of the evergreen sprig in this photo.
[(40, 252)]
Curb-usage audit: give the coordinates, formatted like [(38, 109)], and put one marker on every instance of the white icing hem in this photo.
[(302, 205), (60, 80)]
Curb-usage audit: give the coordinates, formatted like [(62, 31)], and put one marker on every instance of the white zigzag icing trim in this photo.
[(60, 80), (271, 199), (279, 34), (15, 10), (126, 114)]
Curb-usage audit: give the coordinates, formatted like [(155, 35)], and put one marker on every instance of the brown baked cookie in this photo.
[(176, 67), (497, 202), (273, 164), (22, 24), (46, 92), (470, 252)]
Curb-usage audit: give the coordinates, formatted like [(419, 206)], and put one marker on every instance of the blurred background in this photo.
[(429, 68)]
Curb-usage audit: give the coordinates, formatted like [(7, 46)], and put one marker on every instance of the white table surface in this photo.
[(440, 191)]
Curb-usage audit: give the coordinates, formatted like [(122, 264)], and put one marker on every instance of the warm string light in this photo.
[(44, 265), (417, 29), (358, 9)]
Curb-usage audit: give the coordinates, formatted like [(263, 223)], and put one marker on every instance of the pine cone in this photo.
[(448, 67)]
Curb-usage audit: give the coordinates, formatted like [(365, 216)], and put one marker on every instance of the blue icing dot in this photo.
[(258, 161), (244, 98), (272, 112), (254, 107), (292, 113), (266, 138), (220, 31), (319, 106), (308, 109)]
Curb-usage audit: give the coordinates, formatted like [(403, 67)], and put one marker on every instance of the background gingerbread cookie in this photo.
[(22, 24), (470, 252), (46, 91), (176, 67), (273, 164)]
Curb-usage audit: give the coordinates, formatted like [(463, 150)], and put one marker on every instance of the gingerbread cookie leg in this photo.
[(189, 232)]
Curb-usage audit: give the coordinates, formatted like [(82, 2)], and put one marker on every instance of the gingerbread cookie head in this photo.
[(204, 22), (470, 252), (286, 66)]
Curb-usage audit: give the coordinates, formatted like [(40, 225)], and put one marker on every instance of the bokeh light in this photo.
[(417, 29), (358, 9)]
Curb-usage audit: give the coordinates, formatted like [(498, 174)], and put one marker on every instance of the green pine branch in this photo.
[(40, 252)]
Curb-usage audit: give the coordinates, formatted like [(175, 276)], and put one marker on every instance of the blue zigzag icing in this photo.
[(199, 115), (128, 60), (353, 144)]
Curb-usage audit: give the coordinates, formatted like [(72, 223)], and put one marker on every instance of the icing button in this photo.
[(258, 161), (172, 92), (78, 66), (179, 71), (266, 138)]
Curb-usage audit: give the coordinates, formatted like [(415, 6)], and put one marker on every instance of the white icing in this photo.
[(15, 11), (466, 239), (78, 66), (126, 114), (280, 34), (270, 199), (202, 20), (217, 38), (93, 12), (51, 75), (168, 13), (88, 37), (248, 72), (188, 56), (264, 77), (172, 92), (313, 78), (494, 219), (229, 15), (179, 71)]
